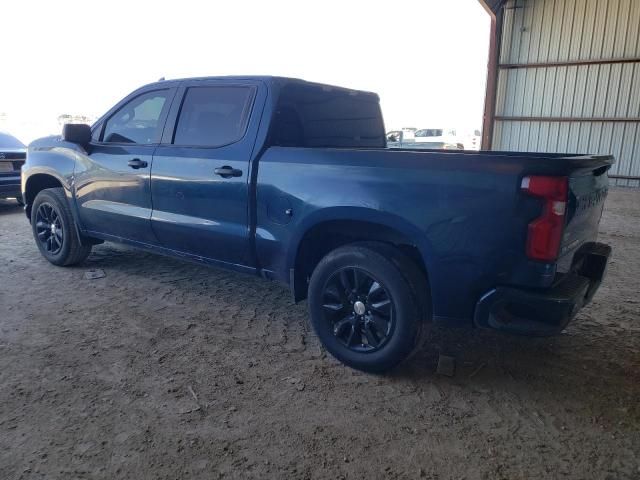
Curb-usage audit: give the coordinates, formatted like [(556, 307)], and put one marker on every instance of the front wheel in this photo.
[(54, 229), (364, 308)]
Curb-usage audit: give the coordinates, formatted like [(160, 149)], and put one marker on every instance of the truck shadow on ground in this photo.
[(592, 367)]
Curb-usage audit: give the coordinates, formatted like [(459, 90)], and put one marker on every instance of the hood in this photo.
[(49, 141)]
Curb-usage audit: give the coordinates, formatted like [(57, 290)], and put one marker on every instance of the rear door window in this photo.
[(138, 121), (213, 116)]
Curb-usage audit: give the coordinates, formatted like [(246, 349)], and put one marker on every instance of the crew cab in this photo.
[(292, 181)]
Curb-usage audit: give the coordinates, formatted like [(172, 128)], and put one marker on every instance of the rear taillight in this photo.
[(545, 232)]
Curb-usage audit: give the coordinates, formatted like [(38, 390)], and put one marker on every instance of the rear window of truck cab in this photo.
[(310, 115)]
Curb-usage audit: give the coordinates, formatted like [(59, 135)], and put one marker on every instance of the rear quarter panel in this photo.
[(463, 212)]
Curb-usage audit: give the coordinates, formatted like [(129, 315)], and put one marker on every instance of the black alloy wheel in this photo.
[(54, 229), (49, 228), (359, 309), (367, 306)]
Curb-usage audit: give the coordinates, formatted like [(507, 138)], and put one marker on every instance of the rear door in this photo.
[(113, 183), (200, 177)]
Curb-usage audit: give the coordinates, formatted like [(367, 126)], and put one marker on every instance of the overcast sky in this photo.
[(426, 58)]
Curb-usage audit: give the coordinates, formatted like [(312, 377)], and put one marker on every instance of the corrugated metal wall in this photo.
[(574, 106)]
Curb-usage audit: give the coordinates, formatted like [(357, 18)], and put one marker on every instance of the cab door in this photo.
[(201, 173), (113, 182)]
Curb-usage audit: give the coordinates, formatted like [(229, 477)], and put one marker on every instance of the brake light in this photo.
[(545, 232)]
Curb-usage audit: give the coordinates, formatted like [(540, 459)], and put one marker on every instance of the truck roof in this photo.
[(268, 79)]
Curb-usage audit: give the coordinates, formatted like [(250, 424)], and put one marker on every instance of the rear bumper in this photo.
[(544, 312)]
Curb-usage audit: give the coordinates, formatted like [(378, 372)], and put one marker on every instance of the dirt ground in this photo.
[(166, 370)]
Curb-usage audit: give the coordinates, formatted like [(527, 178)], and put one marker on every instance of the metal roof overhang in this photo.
[(492, 6)]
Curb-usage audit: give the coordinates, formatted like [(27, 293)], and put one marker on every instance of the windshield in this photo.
[(7, 141)]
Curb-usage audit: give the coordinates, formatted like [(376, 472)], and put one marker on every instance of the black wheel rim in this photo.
[(49, 228), (359, 310)]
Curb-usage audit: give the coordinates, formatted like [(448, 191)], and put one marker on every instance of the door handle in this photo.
[(136, 163), (228, 172)]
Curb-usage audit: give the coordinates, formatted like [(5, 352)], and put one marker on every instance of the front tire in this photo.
[(54, 229), (364, 308)]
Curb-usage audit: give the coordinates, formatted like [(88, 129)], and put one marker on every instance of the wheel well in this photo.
[(35, 184), (328, 236)]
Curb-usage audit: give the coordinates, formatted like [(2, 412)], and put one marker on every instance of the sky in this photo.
[(425, 58)]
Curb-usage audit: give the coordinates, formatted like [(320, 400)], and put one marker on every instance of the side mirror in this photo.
[(77, 133)]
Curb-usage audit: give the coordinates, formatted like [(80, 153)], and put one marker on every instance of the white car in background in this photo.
[(397, 138), (434, 138), (439, 138), (470, 138)]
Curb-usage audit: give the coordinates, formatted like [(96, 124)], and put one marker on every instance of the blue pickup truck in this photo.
[(293, 181)]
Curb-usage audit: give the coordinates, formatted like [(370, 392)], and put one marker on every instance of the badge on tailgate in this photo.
[(586, 202)]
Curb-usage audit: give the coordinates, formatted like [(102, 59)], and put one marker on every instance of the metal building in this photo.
[(564, 76)]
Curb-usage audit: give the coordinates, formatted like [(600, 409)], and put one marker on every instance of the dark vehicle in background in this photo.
[(12, 156), (293, 181)]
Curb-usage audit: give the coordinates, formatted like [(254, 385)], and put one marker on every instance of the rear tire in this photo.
[(419, 285), (54, 229), (364, 307)]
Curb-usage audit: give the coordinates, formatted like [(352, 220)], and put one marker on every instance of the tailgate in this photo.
[(587, 192)]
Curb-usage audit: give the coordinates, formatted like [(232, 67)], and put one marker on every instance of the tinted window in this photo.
[(138, 120), (213, 116), (8, 141), (311, 115)]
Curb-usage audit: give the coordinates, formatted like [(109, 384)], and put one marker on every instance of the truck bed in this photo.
[(463, 210)]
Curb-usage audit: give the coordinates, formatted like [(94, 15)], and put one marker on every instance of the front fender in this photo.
[(50, 159)]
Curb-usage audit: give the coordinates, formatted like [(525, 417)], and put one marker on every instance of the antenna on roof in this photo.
[(161, 79)]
